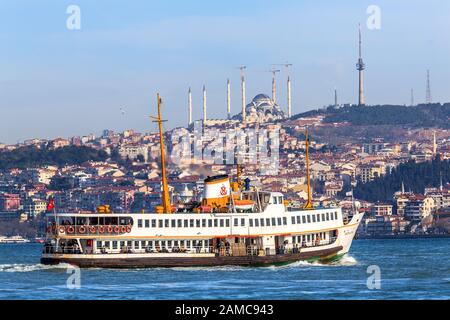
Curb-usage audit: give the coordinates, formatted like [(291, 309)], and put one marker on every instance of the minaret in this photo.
[(204, 104), (244, 116), (228, 99), (412, 97), (189, 106), (360, 66), (274, 85), (289, 101)]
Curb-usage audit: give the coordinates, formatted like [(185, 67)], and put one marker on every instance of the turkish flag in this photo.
[(50, 204)]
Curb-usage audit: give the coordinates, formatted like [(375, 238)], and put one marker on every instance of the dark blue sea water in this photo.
[(410, 269)]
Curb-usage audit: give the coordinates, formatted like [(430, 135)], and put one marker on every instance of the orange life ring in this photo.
[(61, 229), (123, 229), (70, 229), (82, 229), (101, 229), (128, 229), (110, 229), (117, 229), (92, 229)]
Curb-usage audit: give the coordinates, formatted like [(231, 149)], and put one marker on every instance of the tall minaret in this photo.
[(189, 106), (244, 116), (204, 104), (412, 97), (360, 66), (289, 101), (274, 85), (228, 99)]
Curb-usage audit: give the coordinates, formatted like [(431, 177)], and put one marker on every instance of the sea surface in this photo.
[(409, 269)]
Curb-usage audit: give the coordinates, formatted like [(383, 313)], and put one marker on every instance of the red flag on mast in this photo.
[(50, 204)]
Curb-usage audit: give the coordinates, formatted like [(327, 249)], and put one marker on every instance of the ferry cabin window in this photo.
[(323, 216), (313, 218), (216, 223), (243, 222), (236, 222), (197, 223), (186, 223), (280, 200), (147, 223), (309, 218), (153, 223), (107, 244), (318, 217), (221, 223), (166, 223), (274, 223), (129, 243), (279, 221), (114, 245), (143, 244), (99, 244), (173, 223), (256, 223), (304, 219), (262, 222), (227, 223), (268, 222), (210, 223), (122, 244), (250, 222), (191, 223), (160, 223), (293, 219), (140, 223), (275, 200), (328, 216), (335, 215), (298, 220), (179, 223), (136, 245), (203, 223), (285, 221)]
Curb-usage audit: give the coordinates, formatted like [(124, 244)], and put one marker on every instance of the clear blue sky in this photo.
[(55, 82)]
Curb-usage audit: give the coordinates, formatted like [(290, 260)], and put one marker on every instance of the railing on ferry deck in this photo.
[(252, 250)]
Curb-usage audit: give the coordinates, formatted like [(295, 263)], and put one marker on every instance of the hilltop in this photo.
[(432, 115)]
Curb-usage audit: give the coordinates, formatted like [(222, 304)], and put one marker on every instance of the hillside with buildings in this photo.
[(121, 169)]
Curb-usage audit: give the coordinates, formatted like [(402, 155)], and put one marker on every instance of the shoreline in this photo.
[(404, 236)]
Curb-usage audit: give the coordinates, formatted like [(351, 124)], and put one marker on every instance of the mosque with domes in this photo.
[(262, 109)]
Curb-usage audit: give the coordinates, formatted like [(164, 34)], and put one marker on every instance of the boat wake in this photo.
[(19, 267), (345, 261)]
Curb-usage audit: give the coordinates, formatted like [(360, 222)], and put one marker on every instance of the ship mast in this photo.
[(308, 205), (165, 187)]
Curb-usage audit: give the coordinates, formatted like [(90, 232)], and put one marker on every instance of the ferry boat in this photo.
[(13, 239), (232, 225)]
